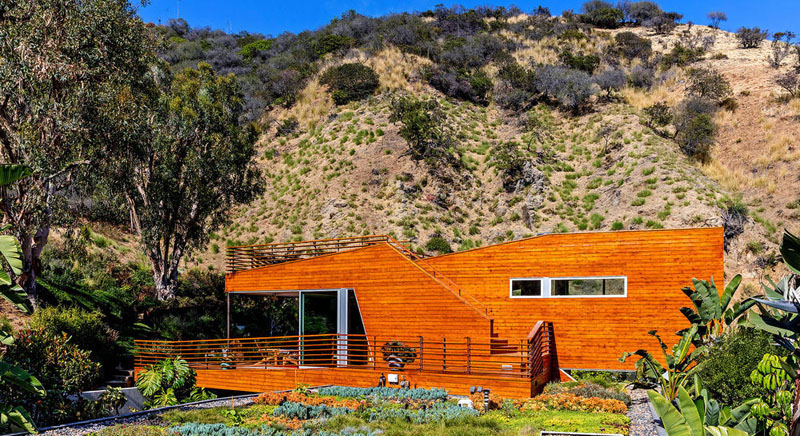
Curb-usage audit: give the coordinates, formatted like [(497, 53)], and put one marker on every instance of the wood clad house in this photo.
[(505, 317)]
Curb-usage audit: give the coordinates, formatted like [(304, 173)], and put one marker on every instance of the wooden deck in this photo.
[(279, 363)]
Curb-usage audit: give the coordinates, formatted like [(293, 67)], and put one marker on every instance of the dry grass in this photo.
[(397, 69), (313, 104)]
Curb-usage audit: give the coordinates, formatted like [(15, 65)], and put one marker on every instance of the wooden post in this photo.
[(469, 356), (374, 352), (444, 354), (421, 353), (228, 317)]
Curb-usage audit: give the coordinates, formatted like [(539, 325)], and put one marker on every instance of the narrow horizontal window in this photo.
[(588, 287), (526, 288)]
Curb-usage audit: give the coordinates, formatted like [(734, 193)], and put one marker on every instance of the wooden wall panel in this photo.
[(261, 380), (592, 333), (394, 296)]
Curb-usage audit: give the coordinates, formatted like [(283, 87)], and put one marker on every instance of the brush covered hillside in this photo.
[(472, 127)]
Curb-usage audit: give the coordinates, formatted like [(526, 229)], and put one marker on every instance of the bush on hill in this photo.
[(350, 82)]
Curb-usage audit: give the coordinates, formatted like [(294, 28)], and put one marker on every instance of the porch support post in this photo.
[(228, 315)]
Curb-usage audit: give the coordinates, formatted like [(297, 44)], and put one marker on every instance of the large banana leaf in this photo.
[(727, 294), (690, 413), (790, 250), (11, 251), (725, 431), (18, 418), (11, 173), (16, 296), (674, 423), (20, 378)]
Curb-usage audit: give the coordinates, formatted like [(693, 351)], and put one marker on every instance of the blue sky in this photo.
[(273, 17)]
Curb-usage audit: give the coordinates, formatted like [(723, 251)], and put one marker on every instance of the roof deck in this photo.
[(244, 257)]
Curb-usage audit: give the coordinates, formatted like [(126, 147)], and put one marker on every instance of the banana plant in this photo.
[(712, 312), (774, 411), (10, 251), (679, 360), (700, 416)]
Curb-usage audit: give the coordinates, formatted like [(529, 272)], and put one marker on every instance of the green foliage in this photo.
[(580, 62), (657, 115), (350, 82), (698, 417), (601, 14), (773, 410), (169, 382), (681, 55), (588, 389), (712, 313), (630, 46), (113, 399), (292, 410), (423, 124), (61, 368), (331, 43), (51, 100), (695, 128), (725, 371), (85, 329), (251, 49), (438, 244), (185, 162), (680, 358), (385, 393), (708, 83)]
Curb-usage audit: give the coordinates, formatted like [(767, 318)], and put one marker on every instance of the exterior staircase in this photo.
[(122, 378)]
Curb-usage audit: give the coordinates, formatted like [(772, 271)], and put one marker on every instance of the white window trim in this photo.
[(547, 284)]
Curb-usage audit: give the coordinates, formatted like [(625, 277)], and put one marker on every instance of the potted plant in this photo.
[(398, 355)]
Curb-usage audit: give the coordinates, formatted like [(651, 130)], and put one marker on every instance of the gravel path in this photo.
[(642, 422), (148, 419)]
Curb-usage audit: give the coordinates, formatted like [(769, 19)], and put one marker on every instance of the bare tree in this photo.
[(781, 47)]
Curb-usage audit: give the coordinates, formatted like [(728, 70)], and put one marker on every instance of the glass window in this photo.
[(577, 287), (526, 288)]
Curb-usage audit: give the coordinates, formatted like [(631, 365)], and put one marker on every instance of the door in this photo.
[(323, 326)]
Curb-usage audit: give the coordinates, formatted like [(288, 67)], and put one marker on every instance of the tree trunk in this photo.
[(31, 247), (166, 282)]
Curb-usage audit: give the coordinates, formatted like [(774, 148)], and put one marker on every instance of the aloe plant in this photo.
[(712, 312)]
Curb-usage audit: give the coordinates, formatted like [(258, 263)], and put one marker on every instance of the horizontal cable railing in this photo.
[(443, 355), (254, 256), (448, 284)]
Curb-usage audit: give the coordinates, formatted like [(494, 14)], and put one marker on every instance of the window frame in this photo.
[(547, 286), (542, 283)]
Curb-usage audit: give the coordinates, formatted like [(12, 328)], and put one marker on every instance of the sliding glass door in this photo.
[(323, 316)]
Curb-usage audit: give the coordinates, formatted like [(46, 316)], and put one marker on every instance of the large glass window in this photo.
[(583, 287), (526, 287)]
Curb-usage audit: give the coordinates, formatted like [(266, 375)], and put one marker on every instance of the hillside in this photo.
[(345, 170)]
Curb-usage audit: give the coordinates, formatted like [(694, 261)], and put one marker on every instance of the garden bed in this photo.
[(354, 411)]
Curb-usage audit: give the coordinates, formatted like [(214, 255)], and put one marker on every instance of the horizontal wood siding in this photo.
[(261, 380), (592, 333), (394, 296)]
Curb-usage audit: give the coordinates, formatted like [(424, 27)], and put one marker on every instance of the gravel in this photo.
[(642, 420), (148, 418)]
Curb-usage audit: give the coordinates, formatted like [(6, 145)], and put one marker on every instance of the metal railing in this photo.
[(443, 355), (253, 256)]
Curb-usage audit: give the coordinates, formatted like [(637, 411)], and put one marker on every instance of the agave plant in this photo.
[(680, 358), (712, 312), (700, 416)]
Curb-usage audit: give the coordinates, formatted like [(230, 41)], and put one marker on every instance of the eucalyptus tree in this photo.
[(183, 161), (60, 61)]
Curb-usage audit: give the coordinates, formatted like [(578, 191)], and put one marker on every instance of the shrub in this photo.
[(251, 49), (725, 371), (287, 127), (642, 77), (438, 244), (291, 410), (585, 63), (385, 393), (790, 81), (277, 398), (708, 83), (628, 45), (751, 37), (601, 14), (664, 22), (63, 370), (695, 128), (565, 401), (460, 84), (85, 329), (424, 127), (440, 412), (681, 55), (657, 115), (717, 17), (169, 382), (588, 390), (640, 12), (780, 48), (331, 43), (132, 430), (350, 82), (572, 89), (610, 80)]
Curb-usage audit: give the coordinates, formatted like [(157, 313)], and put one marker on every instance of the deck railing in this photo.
[(443, 280), (442, 355), (253, 256)]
